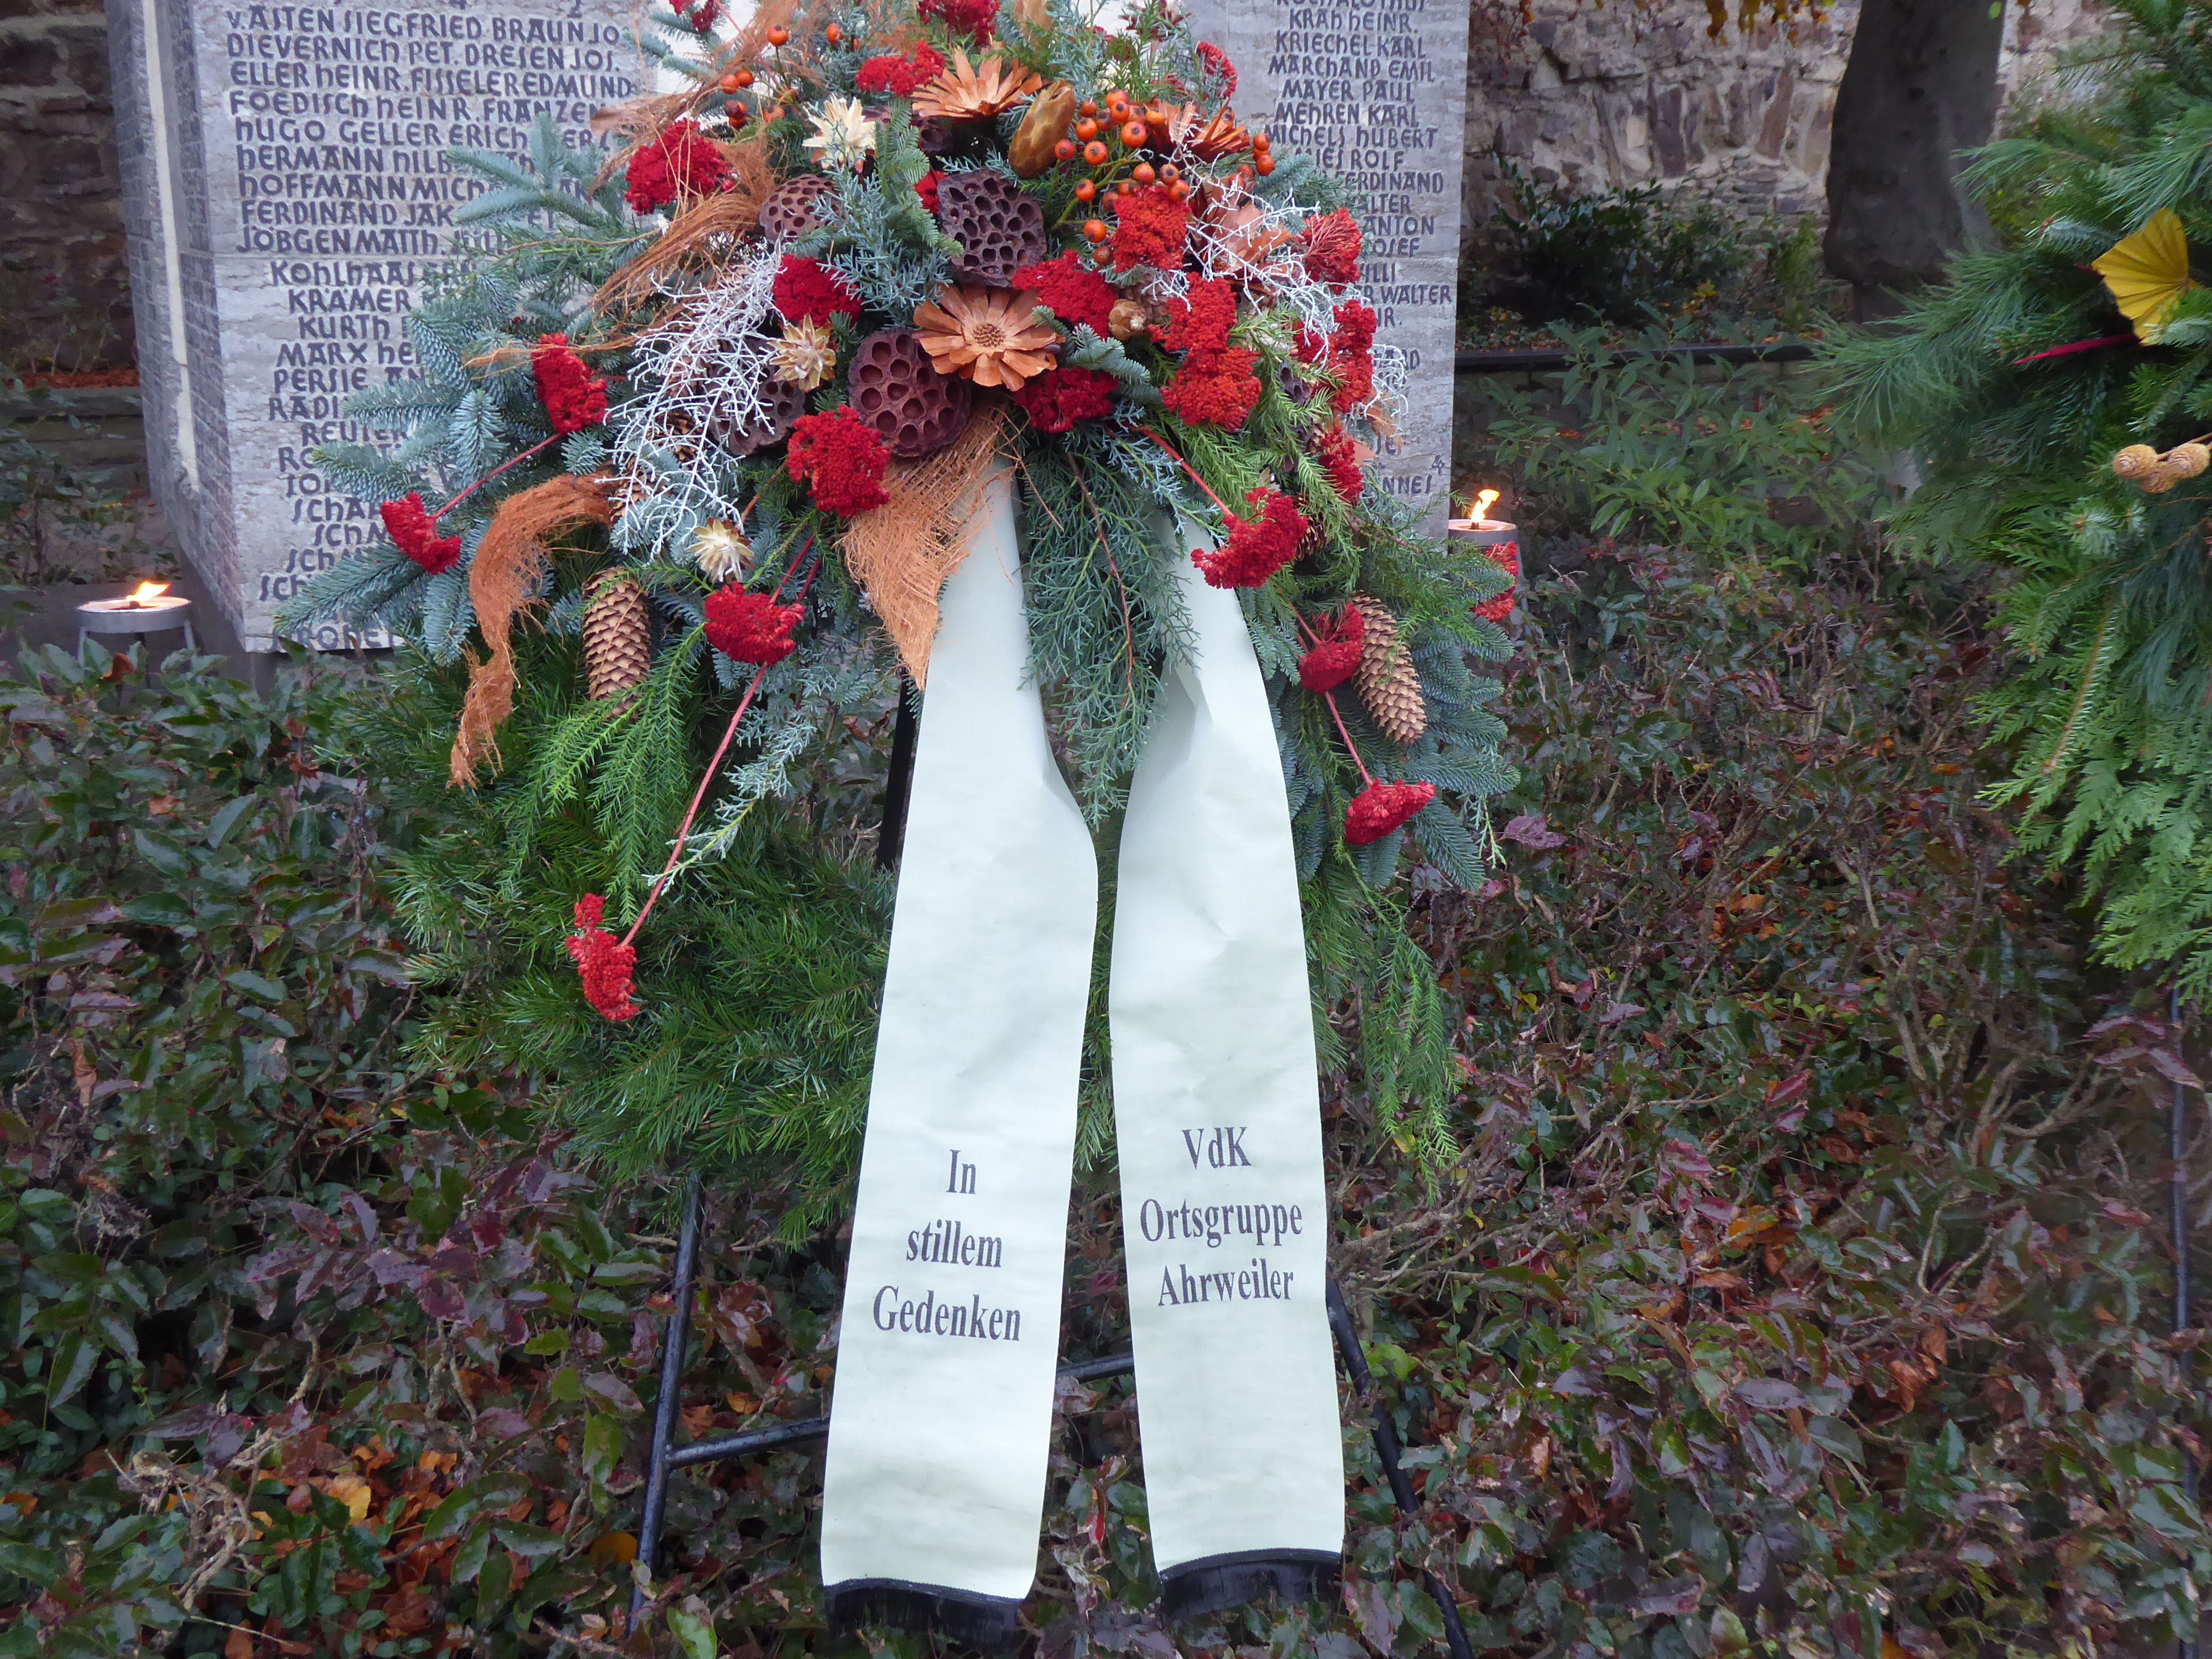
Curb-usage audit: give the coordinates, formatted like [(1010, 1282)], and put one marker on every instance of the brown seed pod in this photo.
[(618, 634), (998, 225), (2135, 461), (797, 206), (1387, 684), (1029, 152), (2188, 460), (1129, 319), (786, 402), (913, 408)]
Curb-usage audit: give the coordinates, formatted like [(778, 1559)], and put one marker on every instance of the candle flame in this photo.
[(147, 592), (1482, 504)]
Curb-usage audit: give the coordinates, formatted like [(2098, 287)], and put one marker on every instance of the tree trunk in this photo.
[(1921, 86)]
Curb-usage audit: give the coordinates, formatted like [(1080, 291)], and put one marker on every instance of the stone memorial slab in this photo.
[(1374, 91), (288, 197)]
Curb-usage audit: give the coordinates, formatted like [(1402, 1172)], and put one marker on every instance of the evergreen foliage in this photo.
[(758, 973), (2110, 700)]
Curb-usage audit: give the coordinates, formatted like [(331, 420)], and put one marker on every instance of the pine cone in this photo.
[(618, 634), (2135, 461), (1387, 684), (2188, 460)]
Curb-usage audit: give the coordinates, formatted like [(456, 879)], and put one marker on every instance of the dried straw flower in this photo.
[(843, 135), (967, 92), (987, 335), (804, 357), (720, 550)]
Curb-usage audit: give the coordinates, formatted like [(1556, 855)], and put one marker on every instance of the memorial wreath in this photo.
[(706, 413), (744, 411)]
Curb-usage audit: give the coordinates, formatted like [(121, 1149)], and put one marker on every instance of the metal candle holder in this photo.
[(151, 609)]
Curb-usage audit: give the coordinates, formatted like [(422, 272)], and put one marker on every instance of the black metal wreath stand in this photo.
[(665, 1456), (2177, 1144)]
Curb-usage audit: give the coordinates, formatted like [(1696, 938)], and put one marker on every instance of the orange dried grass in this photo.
[(510, 562), (902, 551), (695, 240)]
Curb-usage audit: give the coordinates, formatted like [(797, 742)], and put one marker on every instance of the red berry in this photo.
[(1064, 150), (1095, 229), (1095, 153), (1134, 133)]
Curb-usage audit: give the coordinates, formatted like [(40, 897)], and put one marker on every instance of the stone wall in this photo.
[(1597, 98), (64, 289)]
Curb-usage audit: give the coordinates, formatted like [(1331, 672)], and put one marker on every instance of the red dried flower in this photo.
[(1331, 248), (750, 627), (1076, 295), (926, 187), (1380, 808), (974, 18), (1352, 355), (1056, 399), (899, 76), (1201, 321), (1339, 458), (1217, 62), (1214, 388), (1257, 547), (413, 531), (1335, 654), (603, 962), (809, 293), (1506, 556), (841, 460), (681, 162), (574, 397), (1150, 228)]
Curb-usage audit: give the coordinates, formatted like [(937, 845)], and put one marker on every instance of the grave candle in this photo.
[(1478, 529)]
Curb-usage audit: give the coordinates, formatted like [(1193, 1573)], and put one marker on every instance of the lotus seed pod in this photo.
[(997, 224), (913, 408)]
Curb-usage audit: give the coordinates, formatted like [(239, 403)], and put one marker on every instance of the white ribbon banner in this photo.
[(1217, 1119), (940, 1429), (941, 1422)]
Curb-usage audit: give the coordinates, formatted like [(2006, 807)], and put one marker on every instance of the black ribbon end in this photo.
[(1215, 1583), (987, 1624)]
